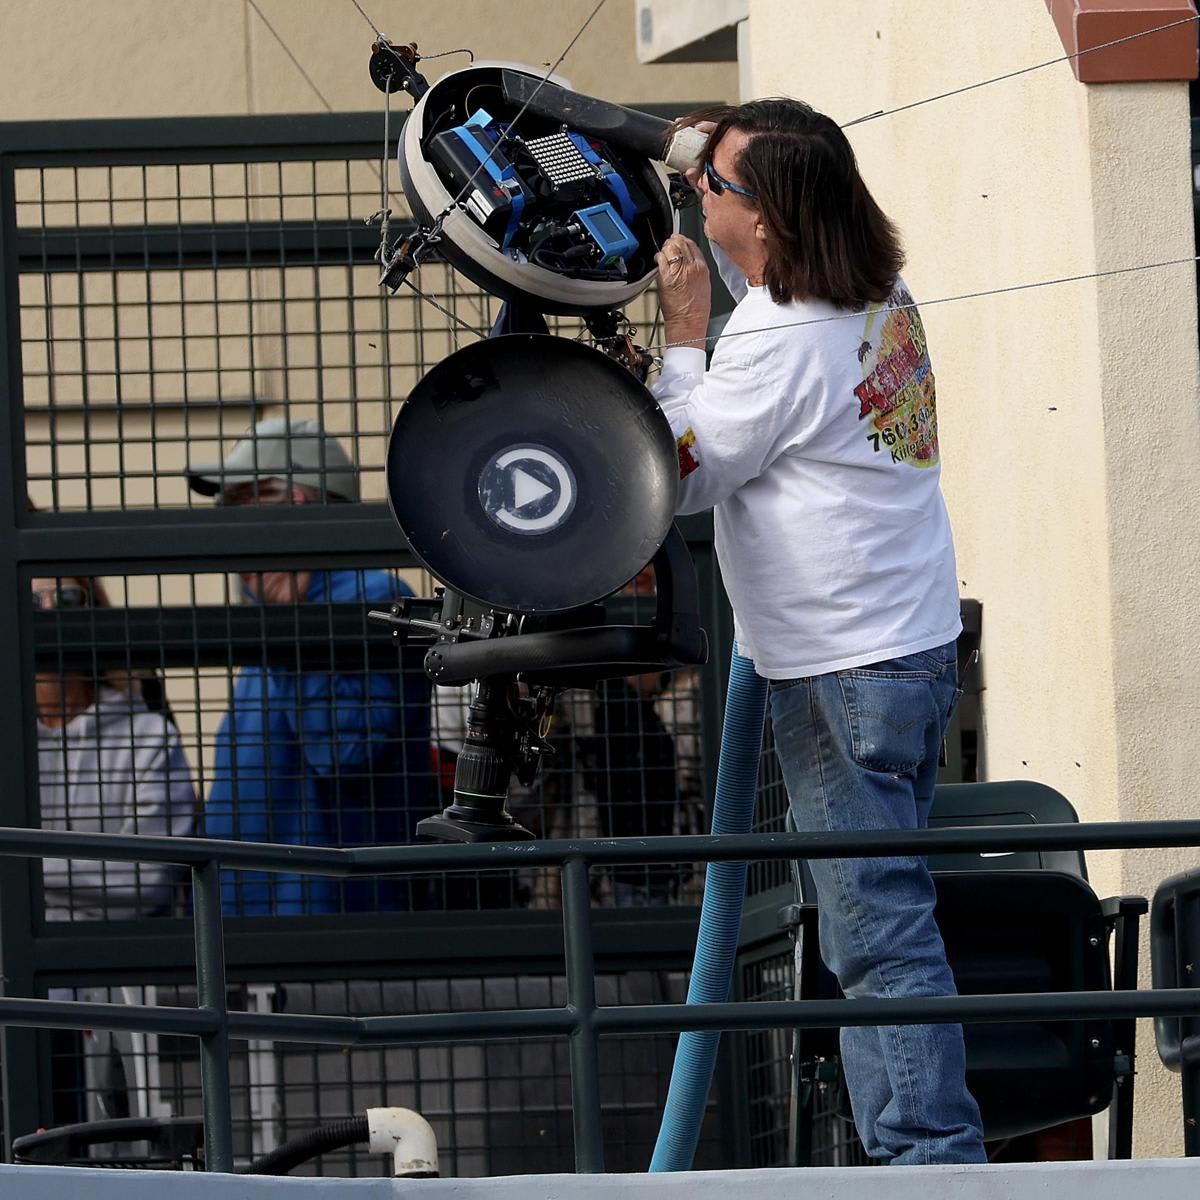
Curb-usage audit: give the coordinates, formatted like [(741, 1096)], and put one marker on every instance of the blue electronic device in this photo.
[(605, 227), (472, 157), (558, 201)]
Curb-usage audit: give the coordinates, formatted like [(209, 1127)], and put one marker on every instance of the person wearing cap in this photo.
[(812, 434), (313, 757)]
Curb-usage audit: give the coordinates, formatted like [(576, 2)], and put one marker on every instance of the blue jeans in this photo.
[(859, 750)]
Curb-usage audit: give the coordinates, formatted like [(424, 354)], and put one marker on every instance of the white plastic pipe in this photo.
[(407, 1137)]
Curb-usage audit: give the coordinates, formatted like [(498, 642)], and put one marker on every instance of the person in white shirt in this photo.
[(106, 764), (812, 434)]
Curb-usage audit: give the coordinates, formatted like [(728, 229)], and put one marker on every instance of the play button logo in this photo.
[(527, 489)]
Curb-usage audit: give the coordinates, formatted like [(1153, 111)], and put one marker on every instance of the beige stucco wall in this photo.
[(1070, 415), (123, 58)]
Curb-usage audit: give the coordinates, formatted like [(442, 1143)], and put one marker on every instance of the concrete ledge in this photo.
[(1162, 1179), (1171, 54), (675, 31)]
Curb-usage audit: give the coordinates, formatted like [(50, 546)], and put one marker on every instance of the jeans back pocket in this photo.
[(895, 717)]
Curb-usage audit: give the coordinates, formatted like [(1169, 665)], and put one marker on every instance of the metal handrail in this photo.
[(344, 862), (581, 1020)]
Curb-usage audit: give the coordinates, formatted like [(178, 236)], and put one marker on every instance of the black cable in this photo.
[(334, 1136)]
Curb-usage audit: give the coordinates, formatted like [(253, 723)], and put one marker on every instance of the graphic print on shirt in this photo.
[(897, 391), (689, 456)]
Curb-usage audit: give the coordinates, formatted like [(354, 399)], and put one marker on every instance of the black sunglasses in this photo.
[(718, 183)]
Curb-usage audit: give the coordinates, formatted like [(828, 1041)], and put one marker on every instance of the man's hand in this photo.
[(684, 291), (692, 174)]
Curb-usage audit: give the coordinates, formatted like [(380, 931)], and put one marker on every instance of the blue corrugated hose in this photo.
[(720, 916)]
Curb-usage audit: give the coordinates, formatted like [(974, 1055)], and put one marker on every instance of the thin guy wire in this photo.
[(862, 120), (287, 50), (382, 169), (385, 195), (296, 63), (369, 21), (857, 121), (385, 209), (444, 53), (437, 222), (1017, 287), (308, 78), (970, 87), (445, 311)]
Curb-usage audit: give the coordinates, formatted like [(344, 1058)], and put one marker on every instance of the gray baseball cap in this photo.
[(297, 451)]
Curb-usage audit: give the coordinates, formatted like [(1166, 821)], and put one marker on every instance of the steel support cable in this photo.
[(1050, 62), (288, 51), (958, 92), (374, 27), (1001, 291), (381, 170)]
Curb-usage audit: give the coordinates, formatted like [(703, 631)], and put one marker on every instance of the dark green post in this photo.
[(210, 995), (581, 998)]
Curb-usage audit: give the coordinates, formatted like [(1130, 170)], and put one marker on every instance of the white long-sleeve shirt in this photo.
[(813, 436), (116, 767)]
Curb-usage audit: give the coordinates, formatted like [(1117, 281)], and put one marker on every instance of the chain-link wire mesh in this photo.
[(168, 306), (164, 309), (297, 722)]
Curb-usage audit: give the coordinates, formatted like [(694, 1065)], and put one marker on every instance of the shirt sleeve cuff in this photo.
[(679, 361)]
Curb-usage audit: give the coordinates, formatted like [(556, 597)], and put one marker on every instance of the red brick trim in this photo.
[(1170, 54)]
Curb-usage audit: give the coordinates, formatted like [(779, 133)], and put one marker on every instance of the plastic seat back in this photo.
[(1029, 931), (1009, 802)]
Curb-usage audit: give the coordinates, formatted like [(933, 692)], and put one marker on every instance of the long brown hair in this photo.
[(826, 238)]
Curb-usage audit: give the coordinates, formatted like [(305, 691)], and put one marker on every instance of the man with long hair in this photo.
[(812, 433)]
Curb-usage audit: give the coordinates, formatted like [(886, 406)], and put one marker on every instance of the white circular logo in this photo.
[(527, 489)]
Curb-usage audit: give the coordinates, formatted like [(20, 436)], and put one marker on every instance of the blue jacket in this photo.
[(322, 759)]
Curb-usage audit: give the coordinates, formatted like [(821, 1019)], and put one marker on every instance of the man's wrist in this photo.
[(689, 332)]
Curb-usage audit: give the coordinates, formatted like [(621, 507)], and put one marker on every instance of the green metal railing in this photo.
[(580, 1020)]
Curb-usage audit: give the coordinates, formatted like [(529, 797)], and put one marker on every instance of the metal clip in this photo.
[(399, 263)]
